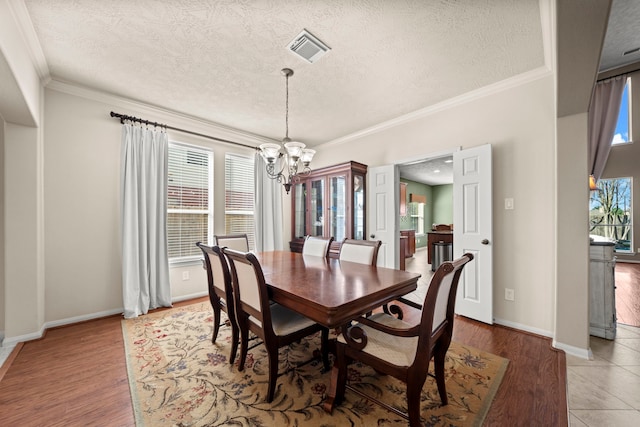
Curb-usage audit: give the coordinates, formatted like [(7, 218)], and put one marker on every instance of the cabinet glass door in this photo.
[(337, 207), (358, 207), (317, 208), (300, 213)]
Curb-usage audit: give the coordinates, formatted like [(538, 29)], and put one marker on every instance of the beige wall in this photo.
[(572, 245), (82, 215), (624, 161), (519, 123)]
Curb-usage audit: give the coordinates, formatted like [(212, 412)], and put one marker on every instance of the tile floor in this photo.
[(606, 391)]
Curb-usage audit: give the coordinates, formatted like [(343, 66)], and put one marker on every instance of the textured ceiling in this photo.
[(437, 171), (221, 60), (622, 35)]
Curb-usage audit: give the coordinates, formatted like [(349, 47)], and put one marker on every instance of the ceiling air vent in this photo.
[(308, 47)]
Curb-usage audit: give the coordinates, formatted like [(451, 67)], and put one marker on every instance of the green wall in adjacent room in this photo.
[(442, 205)]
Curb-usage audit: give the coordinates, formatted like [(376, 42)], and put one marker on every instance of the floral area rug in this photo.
[(179, 378)]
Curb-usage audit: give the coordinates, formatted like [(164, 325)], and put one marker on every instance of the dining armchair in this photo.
[(220, 293), (360, 251), (238, 242), (393, 347), (276, 325), (316, 246)]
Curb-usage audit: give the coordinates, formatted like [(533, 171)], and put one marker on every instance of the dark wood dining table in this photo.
[(331, 292)]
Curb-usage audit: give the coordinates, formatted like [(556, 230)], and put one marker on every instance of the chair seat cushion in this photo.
[(285, 321), (419, 294), (400, 351)]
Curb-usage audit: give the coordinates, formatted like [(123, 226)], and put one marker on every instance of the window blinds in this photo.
[(239, 196), (189, 201)]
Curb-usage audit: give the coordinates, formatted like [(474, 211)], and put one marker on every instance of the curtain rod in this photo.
[(124, 117), (620, 71)]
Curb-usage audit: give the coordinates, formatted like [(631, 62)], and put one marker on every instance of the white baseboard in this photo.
[(191, 296), (12, 341), (522, 327), (583, 353)]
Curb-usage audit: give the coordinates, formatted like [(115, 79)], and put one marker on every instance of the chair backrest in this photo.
[(439, 303), (249, 287), (218, 274), (316, 246), (237, 242), (360, 251)]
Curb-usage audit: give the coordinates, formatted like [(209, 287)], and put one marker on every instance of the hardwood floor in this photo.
[(76, 376), (627, 277)]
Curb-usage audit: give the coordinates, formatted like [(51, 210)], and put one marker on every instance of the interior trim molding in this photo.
[(12, 341), (24, 23), (521, 327), (524, 78), (583, 353), (176, 118)]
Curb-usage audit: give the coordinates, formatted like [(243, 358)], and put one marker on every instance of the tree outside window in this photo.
[(610, 213)]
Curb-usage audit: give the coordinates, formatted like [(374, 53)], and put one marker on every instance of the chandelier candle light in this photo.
[(291, 154)]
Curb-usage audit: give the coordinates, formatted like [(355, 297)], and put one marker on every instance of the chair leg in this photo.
[(244, 344), (439, 355), (273, 371), (216, 319), (414, 389), (234, 342)]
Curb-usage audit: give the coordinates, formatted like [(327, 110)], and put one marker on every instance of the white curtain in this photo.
[(268, 209), (145, 264), (603, 117)]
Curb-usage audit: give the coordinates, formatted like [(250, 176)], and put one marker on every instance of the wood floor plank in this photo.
[(76, 376)]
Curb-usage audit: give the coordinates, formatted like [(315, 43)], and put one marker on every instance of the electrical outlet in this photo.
[(185, 275), (508, 203), (509, 294)]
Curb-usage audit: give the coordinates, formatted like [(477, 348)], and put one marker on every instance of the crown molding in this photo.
[(23, 21), (483, 92), (179, 119)]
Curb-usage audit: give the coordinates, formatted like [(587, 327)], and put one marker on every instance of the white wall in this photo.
[(82, 205), (519, 123)]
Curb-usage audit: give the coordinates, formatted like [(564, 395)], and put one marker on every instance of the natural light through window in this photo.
[(623, 131), (189, 201), (610, 213)]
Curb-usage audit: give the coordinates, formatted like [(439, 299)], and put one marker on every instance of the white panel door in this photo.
[(472, 231), (384, 223)]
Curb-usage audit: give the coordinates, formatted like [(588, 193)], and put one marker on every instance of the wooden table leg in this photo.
[(330, 401)]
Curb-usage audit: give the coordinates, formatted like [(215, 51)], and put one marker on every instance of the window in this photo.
[(189, 201), (610, 213), (622, 132), (239, 188)]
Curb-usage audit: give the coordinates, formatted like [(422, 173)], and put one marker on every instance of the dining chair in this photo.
[(393, 347), (220, 293), (276, 325), (360, 251), (238, 242), (316, 246)]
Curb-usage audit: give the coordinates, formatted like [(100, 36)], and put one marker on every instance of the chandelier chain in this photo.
[(286, 115)]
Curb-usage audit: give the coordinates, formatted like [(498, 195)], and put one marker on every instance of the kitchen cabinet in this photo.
[(329, 202), (411, 242)]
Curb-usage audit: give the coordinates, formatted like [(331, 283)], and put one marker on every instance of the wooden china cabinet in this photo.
[(329, 202)]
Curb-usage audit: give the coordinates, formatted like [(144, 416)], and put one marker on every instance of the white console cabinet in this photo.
[(602, 296)]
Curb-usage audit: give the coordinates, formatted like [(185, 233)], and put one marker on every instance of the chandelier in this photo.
[(288, 161)]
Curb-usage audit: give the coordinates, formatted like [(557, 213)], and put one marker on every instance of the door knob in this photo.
[(484, 242), (373, 236)]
